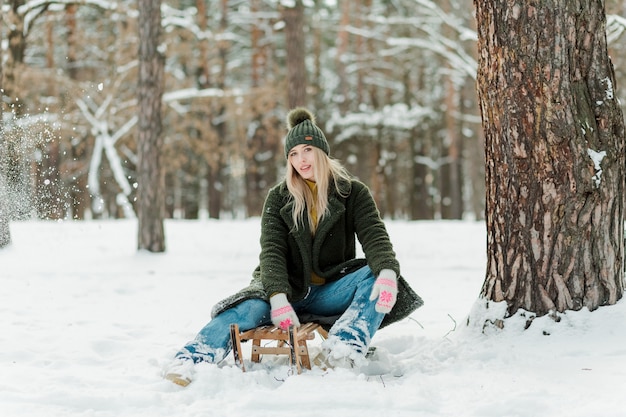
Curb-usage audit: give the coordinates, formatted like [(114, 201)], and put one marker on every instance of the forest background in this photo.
[(392, 84)]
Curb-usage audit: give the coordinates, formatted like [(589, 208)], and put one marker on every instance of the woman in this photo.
[(308, 269)]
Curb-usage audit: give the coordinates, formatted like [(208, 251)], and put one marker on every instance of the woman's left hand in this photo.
[(386, 290)]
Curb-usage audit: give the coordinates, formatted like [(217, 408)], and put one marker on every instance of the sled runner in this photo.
[(291, 342)]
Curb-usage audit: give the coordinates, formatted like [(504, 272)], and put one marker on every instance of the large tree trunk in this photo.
[(151, 190), (554, 136)]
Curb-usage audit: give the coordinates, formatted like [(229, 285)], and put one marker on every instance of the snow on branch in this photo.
[(397, 116), (442, 46), (185, 19), (36, 4), (173, 98), (450, 20), (105, 145), (190, 93), (32, 9), (450, 49), (615, 26)]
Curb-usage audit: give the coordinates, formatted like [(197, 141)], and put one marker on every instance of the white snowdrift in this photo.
[(87, 324)]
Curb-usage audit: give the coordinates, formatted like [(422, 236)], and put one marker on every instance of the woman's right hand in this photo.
[(283, 314)]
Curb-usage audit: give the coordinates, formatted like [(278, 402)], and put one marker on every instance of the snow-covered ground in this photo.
[(87, 324)]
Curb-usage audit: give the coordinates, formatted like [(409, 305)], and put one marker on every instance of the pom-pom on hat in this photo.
[(304, 131)]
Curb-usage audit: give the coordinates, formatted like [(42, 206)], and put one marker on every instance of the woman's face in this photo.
[(302, 158)]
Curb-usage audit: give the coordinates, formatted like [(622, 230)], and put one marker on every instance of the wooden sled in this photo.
[(291, 342)]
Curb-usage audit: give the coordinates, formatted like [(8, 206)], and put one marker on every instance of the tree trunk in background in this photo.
[(255, 140), (473, 154), (17, 169), (5, 233), (451, 172), (257, 49), (151, 190), (359, 49), (78, 196), (554, 135), (15, 56), (316, 81), (420, 144), (49, 199), (421, 200), (343, 41), (296, 53), (203, 80), (216, 164), (5, 215), (375, 180)]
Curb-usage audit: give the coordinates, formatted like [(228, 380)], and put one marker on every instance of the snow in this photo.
[(597, 158), (88, 324), (609, 88)]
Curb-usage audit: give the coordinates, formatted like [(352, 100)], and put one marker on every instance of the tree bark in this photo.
[(151, 189), (554, 135)]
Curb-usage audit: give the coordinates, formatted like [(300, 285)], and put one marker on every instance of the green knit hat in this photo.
[(304, 131)]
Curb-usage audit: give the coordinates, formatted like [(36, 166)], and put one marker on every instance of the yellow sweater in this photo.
[(315, 279)]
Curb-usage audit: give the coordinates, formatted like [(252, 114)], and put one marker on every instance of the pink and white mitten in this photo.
[(386, 290), (283, 314)]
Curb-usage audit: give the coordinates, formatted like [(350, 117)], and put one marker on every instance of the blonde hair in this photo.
[(325, 170)]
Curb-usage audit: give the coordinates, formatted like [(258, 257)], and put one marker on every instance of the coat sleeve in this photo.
[(371, 232), (274, 246)]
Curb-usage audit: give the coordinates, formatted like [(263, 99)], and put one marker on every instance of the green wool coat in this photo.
[(289, 255)]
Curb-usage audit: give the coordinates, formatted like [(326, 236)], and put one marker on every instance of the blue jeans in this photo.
[(347, 298)]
